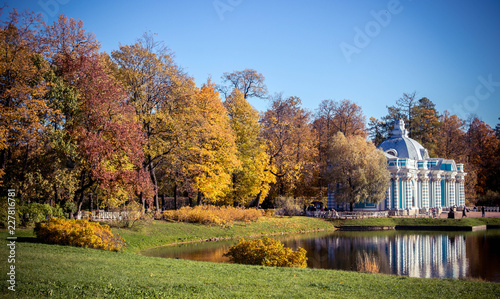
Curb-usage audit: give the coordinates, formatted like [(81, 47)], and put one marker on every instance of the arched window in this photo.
[(392, 152)]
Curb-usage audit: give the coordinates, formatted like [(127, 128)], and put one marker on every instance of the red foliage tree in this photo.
[(108, 136)]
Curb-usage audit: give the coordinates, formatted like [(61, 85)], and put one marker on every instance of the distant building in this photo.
[(417, 181)]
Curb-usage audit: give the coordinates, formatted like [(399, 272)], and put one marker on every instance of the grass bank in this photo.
[(69, 272), (415, 222), (162, 232)]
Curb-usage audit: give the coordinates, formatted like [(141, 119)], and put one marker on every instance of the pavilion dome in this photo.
[(399, 145)]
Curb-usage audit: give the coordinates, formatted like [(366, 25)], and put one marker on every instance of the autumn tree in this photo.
[(376, 131), (209, 156), (451, 143), (109, 140), (425, 123), (420, 116), (160, 94), (35, 143), (75, 130), (332, 117), (324, 130), (357, 170), (349, 119), (405, 105), (24, 110), (291, 145), (450, 139), (497, 129), (248, 82), (251, 179), (403, 109), (482, 153), (495, 175)]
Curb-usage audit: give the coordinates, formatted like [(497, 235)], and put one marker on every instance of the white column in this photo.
[(437, 193), (425, 193), (388, 196), (396, 194), (408, 193), (460, 192), (418, 194), (432, 203), (451, 192)]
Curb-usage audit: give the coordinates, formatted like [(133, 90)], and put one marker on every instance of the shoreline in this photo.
[(418, 228), (216, 239), (339, 228)]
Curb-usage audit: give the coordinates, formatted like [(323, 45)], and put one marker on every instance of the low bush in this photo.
[(36, 212), (134, 219), (270, 213), (266, 252), (80, 233), (222, 216), (288, 206)]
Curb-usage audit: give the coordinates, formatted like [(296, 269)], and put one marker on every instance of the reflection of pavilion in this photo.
[(411, 255), (428, 256)]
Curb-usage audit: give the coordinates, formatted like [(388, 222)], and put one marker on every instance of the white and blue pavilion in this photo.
[(417, 181)]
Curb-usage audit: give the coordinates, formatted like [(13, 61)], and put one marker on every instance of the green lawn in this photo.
[(68, 272), (162, 232)]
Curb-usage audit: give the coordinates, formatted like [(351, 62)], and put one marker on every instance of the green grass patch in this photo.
[(69, 272), (162, 232)]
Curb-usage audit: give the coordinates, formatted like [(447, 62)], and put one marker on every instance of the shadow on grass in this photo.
[(33, 240)]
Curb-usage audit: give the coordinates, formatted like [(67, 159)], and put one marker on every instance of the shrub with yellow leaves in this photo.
[(266, 252), (80, 233), (222, 216)]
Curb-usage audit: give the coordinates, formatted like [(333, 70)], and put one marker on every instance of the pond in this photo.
[(415, 254)]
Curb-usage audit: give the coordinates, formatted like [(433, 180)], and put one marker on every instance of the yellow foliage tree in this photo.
[(161, 95), (251, 180), (357, 170), (23, 108), (209, 155)]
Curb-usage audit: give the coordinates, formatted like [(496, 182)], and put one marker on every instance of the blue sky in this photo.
[(370, 52)]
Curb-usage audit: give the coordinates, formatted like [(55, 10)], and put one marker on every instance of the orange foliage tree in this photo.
[(291, 145), (65, 115)]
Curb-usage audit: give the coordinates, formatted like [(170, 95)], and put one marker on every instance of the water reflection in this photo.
[(415, 254), (400, 254)]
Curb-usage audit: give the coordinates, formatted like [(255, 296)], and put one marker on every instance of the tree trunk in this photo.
[(3, 159), (55, 196), (80, 207), (80, 202), (163, 202), (255, 203), (351, 206), (175, 196), (141, 198), (155, 184), (198, 199), (91, 203)]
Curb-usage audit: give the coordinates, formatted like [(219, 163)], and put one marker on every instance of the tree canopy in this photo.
[(357, 171), (77, 124)]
